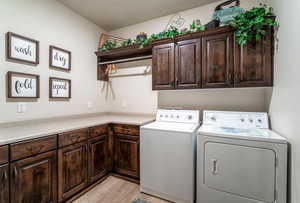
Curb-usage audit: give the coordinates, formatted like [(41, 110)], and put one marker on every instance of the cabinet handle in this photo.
[(15, 172), (4, 176), (90, 148)]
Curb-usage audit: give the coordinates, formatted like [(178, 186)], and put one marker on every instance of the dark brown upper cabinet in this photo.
[(34, 180), (212, 59), (163, 66), (4, 183), (98, 158), (217, 62), (254, 63), (188, 64), (72, 170)]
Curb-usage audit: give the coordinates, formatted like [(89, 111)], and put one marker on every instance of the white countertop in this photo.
[(25, 130)]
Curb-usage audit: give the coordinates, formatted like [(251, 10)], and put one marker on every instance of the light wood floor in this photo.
[(116, 190)]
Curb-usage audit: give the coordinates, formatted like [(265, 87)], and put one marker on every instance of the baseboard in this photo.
[(134, 180)]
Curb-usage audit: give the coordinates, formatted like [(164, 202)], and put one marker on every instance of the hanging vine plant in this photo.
[(253, 24)]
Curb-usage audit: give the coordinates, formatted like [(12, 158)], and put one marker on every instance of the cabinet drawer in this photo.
[(98, 130), (32, 147), (72, 137), (126, 129), (3, 154)]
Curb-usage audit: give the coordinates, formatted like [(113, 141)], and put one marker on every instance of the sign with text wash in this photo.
[(22, 49)]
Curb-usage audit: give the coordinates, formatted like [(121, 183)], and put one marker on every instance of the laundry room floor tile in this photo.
[(116, 190)]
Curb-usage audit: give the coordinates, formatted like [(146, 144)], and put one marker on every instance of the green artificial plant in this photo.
[(253, 24), (110, 44), (170, 33)]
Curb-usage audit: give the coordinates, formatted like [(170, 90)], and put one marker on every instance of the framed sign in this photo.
[(22, 85), (22, 49), (59, 58), (59, 88)]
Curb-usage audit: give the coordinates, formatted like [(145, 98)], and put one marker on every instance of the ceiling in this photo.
[(114, 14)]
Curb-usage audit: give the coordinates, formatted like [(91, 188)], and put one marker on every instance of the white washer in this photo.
[(239, 160), (167, 155)]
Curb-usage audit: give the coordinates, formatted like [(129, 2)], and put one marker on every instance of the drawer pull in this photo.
[(35, 149), (75, 137)]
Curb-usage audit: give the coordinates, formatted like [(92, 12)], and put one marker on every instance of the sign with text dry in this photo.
[(22, 49), (59, 58), (22, 85), (59, 88)]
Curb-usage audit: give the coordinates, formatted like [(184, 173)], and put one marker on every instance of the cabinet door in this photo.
[(4, 183), (72, 170), (34, 180), (188, 64), (163, 67), (127, 155), (254, 63), (217, 68), (98, 151)]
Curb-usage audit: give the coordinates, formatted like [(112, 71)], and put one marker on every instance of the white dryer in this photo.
[(168, 155), (239, 160)]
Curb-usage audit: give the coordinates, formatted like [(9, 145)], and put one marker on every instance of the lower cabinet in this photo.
[(34, 180), (97, 158), (72, 169), (126, 159), (4, 183), (45, 175)]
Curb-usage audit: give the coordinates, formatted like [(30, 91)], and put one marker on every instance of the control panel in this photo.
[(231, 119), (179, 116)]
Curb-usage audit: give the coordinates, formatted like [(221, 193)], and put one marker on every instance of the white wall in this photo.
[(52, 24), (229, 99), (133, 94), (285, 97), (245, 99)]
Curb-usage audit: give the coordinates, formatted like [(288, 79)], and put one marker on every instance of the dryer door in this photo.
[(239, 170)]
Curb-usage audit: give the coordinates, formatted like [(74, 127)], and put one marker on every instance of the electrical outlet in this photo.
[(90, 104), (124, 103), (21, 107)]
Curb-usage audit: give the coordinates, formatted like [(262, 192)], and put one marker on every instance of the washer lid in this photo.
[(170, 126), (265, 135)]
